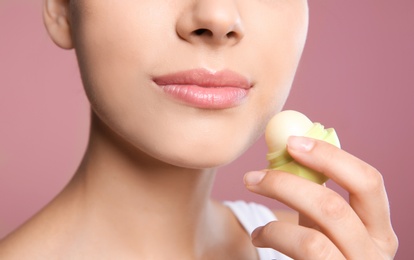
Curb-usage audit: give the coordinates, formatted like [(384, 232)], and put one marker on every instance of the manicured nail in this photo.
[(301, 144), (253, 178)]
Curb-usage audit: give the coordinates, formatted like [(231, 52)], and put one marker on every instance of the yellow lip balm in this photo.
[(285, 124)]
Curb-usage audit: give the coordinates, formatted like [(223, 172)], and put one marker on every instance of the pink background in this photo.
[(356, 75)]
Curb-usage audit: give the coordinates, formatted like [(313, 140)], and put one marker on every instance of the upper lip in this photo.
[(204, 78)]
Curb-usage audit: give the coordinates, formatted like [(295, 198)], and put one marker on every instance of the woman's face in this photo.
[(191, 83)]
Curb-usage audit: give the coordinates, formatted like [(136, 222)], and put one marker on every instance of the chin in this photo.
[(203, 157), (205, 161)]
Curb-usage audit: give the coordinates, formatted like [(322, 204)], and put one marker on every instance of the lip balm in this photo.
[(285, 124)]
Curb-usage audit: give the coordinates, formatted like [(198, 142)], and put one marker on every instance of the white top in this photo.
[(252, 215)]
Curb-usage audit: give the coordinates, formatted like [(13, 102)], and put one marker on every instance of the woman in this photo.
[(177, 89)]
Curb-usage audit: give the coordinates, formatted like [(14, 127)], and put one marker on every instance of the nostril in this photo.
[(231, 34), (207, 32), (200, 32)]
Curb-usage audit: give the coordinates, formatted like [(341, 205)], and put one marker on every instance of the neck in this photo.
[(120, 185)]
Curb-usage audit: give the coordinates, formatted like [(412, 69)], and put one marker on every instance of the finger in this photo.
[(364, 183), (308, 222), (327, 209), (295, 241)]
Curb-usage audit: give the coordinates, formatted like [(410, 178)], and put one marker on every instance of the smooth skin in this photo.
[(143, 188)]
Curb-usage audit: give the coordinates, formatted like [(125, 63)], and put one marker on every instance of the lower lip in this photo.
[(207, 97)]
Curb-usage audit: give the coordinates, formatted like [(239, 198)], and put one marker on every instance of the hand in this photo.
[(336, 229)]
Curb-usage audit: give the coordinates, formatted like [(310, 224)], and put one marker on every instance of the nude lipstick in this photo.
[(205, 89)]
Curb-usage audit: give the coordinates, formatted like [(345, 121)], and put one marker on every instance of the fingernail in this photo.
[(300, 144), (256, 232), (253, 178)]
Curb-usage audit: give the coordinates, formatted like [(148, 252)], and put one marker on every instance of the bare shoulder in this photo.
[(27, 242), (40, 237), (11, 246), (286, 216)]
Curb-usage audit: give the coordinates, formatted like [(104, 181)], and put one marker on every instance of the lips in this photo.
[(205, 89)]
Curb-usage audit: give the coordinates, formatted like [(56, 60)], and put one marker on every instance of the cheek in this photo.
[(116, 48), (278, 47), (277, 51)]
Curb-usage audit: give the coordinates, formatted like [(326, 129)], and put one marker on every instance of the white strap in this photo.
[(252, 215)]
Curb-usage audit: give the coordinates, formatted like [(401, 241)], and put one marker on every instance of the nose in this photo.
[(213, 22)]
